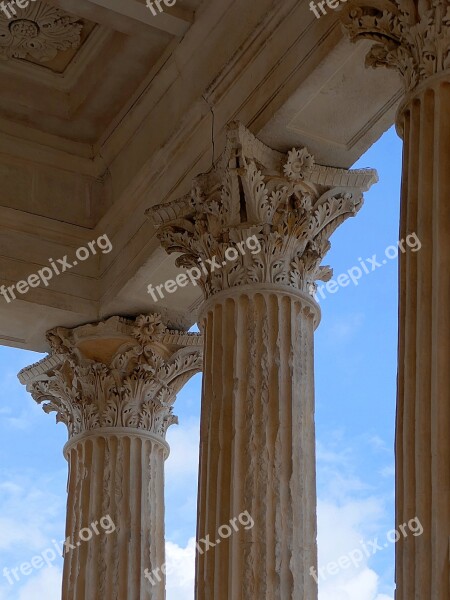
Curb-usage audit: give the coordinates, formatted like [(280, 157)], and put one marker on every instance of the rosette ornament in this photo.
[(39, 31)]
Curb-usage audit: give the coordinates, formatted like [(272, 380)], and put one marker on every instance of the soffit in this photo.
[(70, 67), (291, 79), (68, 70)]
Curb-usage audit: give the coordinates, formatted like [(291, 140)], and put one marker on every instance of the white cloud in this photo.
[(362, 586), (44, 584), (22, 421), (388, 470), (47, 584), (180, 571), (342, 530), (378, 444), (354, 584), (184, 451), (20, 531), (181, 480), (31, 514), (350, 516), (344, 327)]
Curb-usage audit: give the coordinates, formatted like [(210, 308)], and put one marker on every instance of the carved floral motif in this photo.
[(411, 36), (298, 164), (136, 388), (39, 31), (147, 327), (290, 204)]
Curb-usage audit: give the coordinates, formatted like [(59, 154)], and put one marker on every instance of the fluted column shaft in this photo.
[(413, 37), (423, 413), (119, 476), (258, 446)]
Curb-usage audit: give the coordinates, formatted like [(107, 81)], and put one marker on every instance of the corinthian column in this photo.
[(258, 227), (414, 38), (113, 384)]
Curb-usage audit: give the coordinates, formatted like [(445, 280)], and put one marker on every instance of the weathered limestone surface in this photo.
[(414, 38), (113, 384), (257, 423), (79, 160)]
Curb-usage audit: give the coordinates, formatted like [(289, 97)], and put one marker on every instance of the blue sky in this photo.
[(355, 357)]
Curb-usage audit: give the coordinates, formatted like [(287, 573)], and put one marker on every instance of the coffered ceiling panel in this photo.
[(42, 34), (69, 74)]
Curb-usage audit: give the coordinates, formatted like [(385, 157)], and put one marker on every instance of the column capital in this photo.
[(411, 36), (285, 203), (122, 373)]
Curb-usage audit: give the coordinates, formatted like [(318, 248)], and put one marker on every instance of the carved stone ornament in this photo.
[(411, 36), (39, 31), (286, 202), (117, 373)]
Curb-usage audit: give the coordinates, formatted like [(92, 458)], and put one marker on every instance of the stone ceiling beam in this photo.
[(174, 20), (130, 15)]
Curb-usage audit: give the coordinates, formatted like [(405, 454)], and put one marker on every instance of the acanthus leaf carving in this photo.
[(39, 31), (288, 204), (135, 387), (411, 37)]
